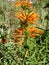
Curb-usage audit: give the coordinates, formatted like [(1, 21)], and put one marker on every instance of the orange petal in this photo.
[(34, 35)]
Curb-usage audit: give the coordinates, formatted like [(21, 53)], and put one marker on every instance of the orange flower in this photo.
[(19, 31), (17, 34), (20, 15), (33, 32), (31, 17), (23, 3)]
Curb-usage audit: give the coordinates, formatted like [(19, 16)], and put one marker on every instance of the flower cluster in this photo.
[(27, 17), (23, 3)]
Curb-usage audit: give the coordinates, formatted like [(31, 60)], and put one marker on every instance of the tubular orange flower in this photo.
[(34, 31), (31, 30), (20, 15), (17, 33), (31, 17), (23, 3)]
